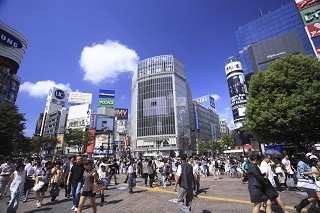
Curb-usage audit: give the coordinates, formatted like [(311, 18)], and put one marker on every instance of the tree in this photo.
[(227, 141), (24, 145), (284, 102), (201, 147), (11, 127), (43, 143), (78, 138), (215, 146)]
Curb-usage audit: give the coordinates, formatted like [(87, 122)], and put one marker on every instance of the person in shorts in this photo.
[(90, 176)]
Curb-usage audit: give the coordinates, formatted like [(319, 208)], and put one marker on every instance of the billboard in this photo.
[(80, 98), (314, 29), (76, 123), (78, 111), (121, 113), (212, 102), (60, 138), (106, 93), (121, 127), (101, 139), (105, 102), (311, 14), (303, 4), (39, 124), (207, 101), (56, 96), (155, 106), (104, 123)]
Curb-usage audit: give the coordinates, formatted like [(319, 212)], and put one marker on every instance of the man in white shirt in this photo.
[(266, 169)]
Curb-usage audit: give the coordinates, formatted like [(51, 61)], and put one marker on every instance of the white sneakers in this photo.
[(38, 205), (73, 207)]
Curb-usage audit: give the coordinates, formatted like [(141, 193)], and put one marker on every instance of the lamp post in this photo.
[(105, 129)]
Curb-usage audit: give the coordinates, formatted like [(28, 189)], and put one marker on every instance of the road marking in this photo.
[(157, 189)]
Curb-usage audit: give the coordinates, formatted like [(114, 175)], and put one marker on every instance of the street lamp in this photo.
[(105, 129)]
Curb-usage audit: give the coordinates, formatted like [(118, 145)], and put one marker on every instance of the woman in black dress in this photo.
[(256, 184)]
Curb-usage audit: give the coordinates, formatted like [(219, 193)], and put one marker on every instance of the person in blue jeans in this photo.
[(75, 179), (186, 179)]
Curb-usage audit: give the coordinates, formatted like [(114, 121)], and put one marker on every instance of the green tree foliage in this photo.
[(227, 141), (12, 124), (43, 143), (284, 102), (201, 147), (77, 138), (24, 145), (215, 146)]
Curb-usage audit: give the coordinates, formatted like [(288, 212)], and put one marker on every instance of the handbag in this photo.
[(98, 186), (38, 186), (270, 191)]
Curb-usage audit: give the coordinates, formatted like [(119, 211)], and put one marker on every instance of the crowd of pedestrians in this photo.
[(81, 178)]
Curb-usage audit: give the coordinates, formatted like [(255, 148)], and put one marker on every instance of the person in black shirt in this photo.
[(113, 167), (75, 179)]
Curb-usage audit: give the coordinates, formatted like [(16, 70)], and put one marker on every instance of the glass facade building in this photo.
[(281, 21), (160, 107)]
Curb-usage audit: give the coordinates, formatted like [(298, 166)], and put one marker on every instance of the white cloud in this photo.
[(40, 89), (104, 62), (216, 97)]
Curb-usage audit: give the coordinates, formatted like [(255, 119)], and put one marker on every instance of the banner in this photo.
[(106, 93), (108, 103), (121, 114)]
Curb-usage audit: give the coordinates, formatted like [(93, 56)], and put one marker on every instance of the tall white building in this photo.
[(224, 129), (162, 115)]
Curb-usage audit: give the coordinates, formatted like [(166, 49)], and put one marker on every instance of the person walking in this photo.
[(75, 179), (145, 172), (103, 176), (265, 169), (29, 179), (151, 173), (55, 180), (131, 176), (307, 184), (113, 168), (16, 184), (66, 170), (256, 185), (162, 171), (186, 179), (89, 177), (6, 169), (43, 176)]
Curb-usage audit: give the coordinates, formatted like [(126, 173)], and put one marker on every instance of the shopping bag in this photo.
[(38, 186)]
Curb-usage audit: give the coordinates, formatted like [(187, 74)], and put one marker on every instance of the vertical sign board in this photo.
[(237, 90)]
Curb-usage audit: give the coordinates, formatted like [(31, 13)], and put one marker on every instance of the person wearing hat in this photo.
[(306, 183), (6, 169), (103, 176), (186, 179), (16, 184)]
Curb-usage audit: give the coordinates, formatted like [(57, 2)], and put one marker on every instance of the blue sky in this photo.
[(82, 45)]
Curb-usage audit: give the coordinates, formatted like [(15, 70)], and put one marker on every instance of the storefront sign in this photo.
[(310, 15), (314, 29), (303, 4)]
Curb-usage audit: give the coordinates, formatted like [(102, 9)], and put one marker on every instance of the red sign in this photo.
[(303, 4), (314, 29), (318, 50)]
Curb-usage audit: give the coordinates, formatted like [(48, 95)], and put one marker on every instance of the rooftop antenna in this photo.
[(260, 12)]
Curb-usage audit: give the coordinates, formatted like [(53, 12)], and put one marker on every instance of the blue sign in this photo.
[(196, 116), (59, 94), (212, 102), (8, 39), (106, 93)]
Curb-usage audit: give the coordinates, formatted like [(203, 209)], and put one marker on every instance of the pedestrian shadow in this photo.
[(58, 202), (115, 201), (134, 192), (39, 210), (206, 211), (203, 190), (276, 209)]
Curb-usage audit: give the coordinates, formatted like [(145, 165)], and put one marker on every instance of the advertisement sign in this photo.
[(233, 66), (314, 29), (39, 124), (56, 96), (121, 127), (9, 40), (60, 138), (196, 116), (108, 103), (155, 106), (104, 123), (76, 123), (212, 102), (102, 139), (303, 4), (80, 98), (310, 15), (79, 111), (106, 93), (121, 113)]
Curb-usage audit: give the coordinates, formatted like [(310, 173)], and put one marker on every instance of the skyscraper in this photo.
[(162, 117), (275, 34)]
